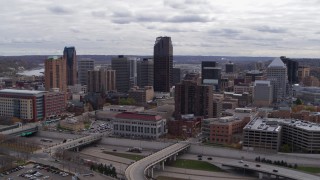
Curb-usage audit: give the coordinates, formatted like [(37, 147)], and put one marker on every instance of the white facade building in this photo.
[(139, 125), (277, 74)]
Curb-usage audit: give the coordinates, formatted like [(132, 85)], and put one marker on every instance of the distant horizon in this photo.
[(234, 56)]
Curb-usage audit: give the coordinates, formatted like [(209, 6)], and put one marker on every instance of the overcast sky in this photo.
[(197, 27)]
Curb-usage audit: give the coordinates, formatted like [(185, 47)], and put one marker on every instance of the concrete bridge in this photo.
[(143, 168), (22, 130), (75, 143)]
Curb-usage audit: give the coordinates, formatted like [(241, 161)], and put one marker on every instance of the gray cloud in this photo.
[(220, 27), (189, 19), (100, 14), (226, 32), (269, 29), (59, 10)]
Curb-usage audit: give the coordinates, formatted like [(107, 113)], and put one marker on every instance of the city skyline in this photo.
[(246, 28)]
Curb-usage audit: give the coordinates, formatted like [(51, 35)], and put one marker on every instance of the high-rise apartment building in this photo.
[(145, 72), (176, 73), (211, 74), (292, 69), (163, 64), (55, 73), (277, 74), (102, 80), (230, 68), (84, 65), (126, 72), (69, 54), (193, 98)]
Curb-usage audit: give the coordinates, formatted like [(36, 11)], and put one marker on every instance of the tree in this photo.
[(128, 101), (298, 102), (285, 148)]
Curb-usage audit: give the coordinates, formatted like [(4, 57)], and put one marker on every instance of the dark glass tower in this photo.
[(211, 74), (69, 54), (292, 69), (163, 64)]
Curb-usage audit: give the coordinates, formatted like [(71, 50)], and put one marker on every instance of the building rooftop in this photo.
[(275, 124), (137, 116), (277, 62), (18, 91), (261, 82), (53, 57)]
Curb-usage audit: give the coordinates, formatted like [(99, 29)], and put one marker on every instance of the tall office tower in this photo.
[(163, 64), (102, 80), (292, 69), (230, 67), (277, 74), (303, 71), (55, 73), (69, 54), (133, 71), (263, 93), (193, 98), (84, 65), (145, 72), (211, 74), (176, 73), (125, 75)]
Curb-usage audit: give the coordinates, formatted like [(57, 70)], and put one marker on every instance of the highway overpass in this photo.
[(24, 130), (75, 143), (266, 169), (144, 167)]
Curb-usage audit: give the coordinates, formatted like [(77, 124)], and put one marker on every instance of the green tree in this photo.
[(127, 101), (285, 148), (298, 102)]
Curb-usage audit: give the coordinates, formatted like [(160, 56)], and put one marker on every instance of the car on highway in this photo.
[(258, 165), (246, 165), (275, 170)]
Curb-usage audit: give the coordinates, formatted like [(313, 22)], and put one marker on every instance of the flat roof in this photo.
[(19, 91), (137, 116), (272, 124)]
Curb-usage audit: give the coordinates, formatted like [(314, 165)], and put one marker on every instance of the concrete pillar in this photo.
[(151, 172), (175, 157), (162, 165), (77, 149), (260, 175)]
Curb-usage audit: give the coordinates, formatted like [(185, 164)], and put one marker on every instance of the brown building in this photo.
[(227, 130), (303, 71), (55, 74), (193, 98), (252, 76), (310, 81), (55, 103), (101, 80), (188, 126), (163, 64), (141, 95), (70, 56)]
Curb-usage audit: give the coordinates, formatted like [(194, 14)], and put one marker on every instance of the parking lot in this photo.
[(36, 172), (101, 127)]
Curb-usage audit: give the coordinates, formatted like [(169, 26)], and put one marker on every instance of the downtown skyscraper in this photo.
[(163, 64), (70, 55)]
